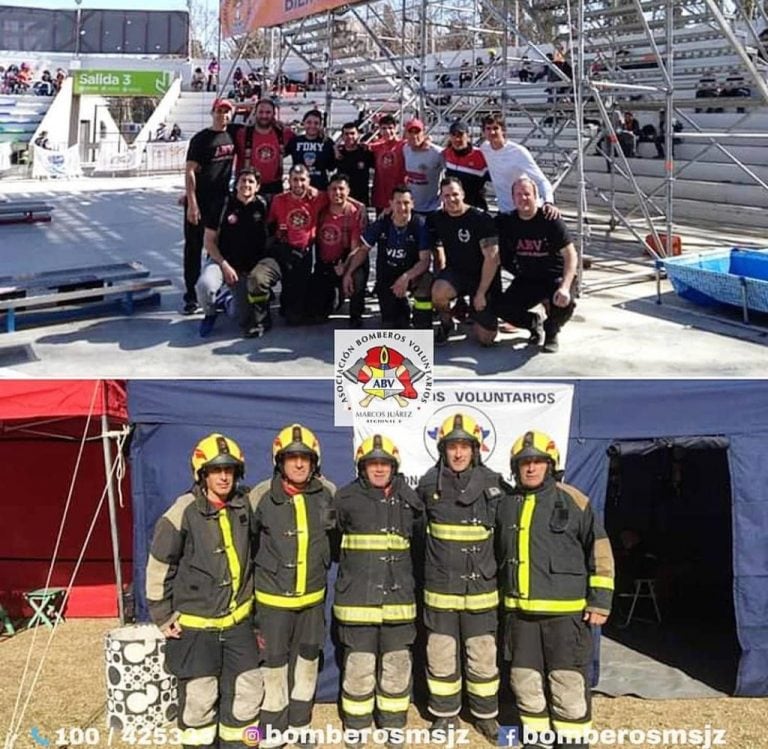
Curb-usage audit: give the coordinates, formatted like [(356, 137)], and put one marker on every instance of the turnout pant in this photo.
[(376, 674), (296, 271), (523, 293), (220, 684), (451, 635), (396, 312), (549, 657), (327, 294), (292, 641), (251, 292)]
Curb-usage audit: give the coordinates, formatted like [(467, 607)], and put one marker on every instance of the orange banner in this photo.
[(240, 17)]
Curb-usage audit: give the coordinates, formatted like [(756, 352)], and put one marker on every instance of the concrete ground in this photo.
[(618, 330)]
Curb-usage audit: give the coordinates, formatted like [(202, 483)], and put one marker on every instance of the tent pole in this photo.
[(112, 515)]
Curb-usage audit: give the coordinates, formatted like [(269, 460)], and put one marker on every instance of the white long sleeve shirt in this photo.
[(506, 165)]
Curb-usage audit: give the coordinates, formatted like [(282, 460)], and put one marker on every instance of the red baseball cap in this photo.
[(223, 104), (414, 124)]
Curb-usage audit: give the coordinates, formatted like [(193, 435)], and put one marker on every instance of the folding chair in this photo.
[(47, 604), (644, 588)]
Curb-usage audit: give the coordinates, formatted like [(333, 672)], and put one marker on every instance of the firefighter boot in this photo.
[(488, 728), (442, 727)]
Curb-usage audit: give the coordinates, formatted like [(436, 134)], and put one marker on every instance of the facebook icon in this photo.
[(509, 736)]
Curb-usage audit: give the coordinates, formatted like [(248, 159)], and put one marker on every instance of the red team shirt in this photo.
[(389, 170), (266, 154), (337, 234), (296, 218)]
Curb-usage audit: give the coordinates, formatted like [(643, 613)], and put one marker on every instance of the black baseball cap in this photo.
[(458, 127)]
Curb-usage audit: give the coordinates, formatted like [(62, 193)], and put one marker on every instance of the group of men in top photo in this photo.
[(437, 249)]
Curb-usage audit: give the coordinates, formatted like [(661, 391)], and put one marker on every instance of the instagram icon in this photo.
[(251, 735)]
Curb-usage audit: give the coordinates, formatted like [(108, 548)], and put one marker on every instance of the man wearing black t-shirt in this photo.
[(206, 181), (236, 251), (355, 161), (469, 258), (540, 254), (314, 150)]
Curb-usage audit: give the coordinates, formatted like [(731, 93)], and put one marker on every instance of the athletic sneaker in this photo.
[(442, 332), (206, 325), (191, 308), (551, 345)]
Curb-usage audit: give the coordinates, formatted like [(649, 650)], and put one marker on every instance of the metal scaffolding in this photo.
[(463, 58)]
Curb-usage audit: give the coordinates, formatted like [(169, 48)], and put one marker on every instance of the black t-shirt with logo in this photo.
[(214, 151), (243, 233), (357, 165), (532, 249), (317, 155), (460, 237)]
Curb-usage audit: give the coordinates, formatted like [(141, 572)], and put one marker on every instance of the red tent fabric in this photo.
[(42, 424)]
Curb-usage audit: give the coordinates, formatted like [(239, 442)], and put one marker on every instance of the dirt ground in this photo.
[(71, 693)]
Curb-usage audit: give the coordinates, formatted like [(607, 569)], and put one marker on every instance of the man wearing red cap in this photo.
[(424, 167), (206, 180)]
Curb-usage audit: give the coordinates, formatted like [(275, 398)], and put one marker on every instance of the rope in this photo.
[(117, 466)]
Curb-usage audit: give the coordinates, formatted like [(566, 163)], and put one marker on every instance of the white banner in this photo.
[(110, 159), (47, 163), (167, 157), (504, 411), (382, 375), (5, 156)]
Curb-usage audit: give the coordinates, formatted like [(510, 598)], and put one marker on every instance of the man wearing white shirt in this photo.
[(507, 162)]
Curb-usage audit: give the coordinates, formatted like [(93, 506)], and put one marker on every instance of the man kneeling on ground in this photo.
[(540, 254), (237, 258)]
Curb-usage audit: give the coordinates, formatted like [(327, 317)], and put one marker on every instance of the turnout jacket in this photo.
[(460, 565), (200, 569), (293, 550), (375, 582), (554, 555)]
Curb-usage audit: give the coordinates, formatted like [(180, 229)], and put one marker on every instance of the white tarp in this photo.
[(166, 157), (109, 159), (47, 163)]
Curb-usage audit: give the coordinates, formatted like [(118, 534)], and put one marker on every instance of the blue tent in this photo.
[(171, 416)]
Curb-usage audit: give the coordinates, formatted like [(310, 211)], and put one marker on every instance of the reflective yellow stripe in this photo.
[(393, 704), (199, 736), (233, 733), (444, 688), (232, 561), (598, 581), (257, 298), (523, 550), (473, 602), (375, 542), (483, 688), (290, 602), (538, 605), (302, 543), (242, 612), (571, 730), (447, 532), (535, 724), (421, 305), (393, 612), (356, 707)]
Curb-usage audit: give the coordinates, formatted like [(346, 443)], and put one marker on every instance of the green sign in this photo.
[(122, 82)]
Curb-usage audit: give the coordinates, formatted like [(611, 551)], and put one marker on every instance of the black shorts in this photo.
[(466, 285)]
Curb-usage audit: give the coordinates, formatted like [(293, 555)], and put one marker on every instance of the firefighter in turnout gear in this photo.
[(292, 518), (375, 601), (556, 573), (461, 598), (200, 595)]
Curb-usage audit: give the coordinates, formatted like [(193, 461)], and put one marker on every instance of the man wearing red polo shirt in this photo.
[(388, 163), (293, 219)]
